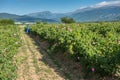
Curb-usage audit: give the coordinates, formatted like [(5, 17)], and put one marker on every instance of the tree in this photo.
[(67, 20), (6, 21), (38, 22)]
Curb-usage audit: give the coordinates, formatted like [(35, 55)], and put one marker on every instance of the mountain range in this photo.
[(86, 14), (23, 18)]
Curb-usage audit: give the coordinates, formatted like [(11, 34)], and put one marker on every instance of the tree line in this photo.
[(6, 21)]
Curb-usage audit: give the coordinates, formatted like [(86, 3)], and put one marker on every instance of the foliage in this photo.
[(95, 45), (9, 43), (38, 22), (67, 20), (6, 21)]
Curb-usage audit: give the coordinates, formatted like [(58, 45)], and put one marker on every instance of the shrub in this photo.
[(67, 20), (6, 21)]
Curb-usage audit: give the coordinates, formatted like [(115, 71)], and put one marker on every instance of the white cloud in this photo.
[(107, 3), (83, 7), (101, 4)]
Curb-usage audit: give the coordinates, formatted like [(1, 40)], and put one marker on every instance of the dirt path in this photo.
[(32, 62)]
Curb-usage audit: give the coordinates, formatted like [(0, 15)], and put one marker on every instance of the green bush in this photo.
[(9, 43), (95, 45), (67, 20), (6, 21)]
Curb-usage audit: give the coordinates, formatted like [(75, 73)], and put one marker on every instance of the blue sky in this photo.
[(57, 6)]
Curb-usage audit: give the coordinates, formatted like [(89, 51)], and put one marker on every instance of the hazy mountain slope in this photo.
[(8, 16), (104, 13), (23, 18), (47, 15), (98, 14)]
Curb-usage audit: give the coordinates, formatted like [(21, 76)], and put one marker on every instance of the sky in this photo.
[(22, 7)]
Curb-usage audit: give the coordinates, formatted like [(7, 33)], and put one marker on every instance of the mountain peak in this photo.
[(46, 12), (101, 12), (43, 12), (103, 4)]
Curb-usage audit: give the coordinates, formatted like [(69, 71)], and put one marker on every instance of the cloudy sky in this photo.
[(57, 6)]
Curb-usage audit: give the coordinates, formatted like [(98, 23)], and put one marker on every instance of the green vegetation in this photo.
[(6, 21), (9, 44), (67, 20), (95, 45)]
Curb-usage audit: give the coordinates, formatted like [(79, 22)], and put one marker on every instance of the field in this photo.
[(95, 45), (9, 44), (78, 51)]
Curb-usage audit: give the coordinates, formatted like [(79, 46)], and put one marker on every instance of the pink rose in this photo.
[(93, 69)]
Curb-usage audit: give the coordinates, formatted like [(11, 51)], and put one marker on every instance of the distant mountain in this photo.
[(86, 14), (23, 18), (8, 16), (47, 15), (106, 13), (44, 14), (32, 19), (101, 13)]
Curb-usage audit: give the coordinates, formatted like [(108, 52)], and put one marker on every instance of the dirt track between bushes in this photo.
[(34, 62)]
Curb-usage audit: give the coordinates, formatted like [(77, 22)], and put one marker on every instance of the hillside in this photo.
[(109, 13), (23, 18), (104, 13)]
